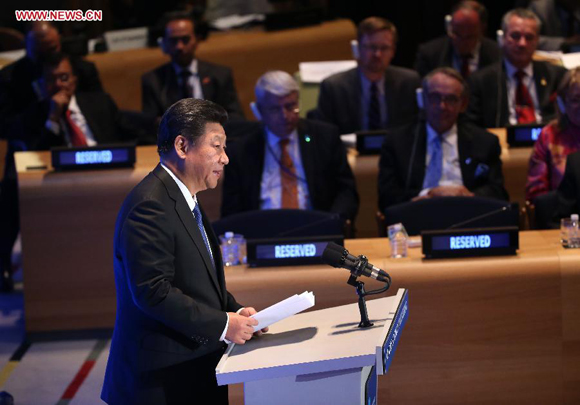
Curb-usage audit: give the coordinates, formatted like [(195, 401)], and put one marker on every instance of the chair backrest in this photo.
[(260, 224), (445, 212)]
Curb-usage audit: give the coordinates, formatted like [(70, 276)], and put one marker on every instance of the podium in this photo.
[(319, 357)]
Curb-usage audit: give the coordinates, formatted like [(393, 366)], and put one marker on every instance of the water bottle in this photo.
[(398, 238), (230, 249), (574, 235)]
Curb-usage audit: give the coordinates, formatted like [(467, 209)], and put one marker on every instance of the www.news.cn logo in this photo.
[(59, 15)]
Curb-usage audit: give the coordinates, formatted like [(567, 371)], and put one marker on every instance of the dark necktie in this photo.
[(77, 136), (374, 108), (199, 219), (465, 66), (186, 89), (435, 168), (288, 177), (524, 104)]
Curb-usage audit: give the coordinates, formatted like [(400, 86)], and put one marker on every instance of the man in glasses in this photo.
[(441, 156), (374, 95), (464, 48), (69, 117), (185, 76), (287, 162), (519, 90)]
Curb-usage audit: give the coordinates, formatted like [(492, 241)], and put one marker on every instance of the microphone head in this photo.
[(333, 255)]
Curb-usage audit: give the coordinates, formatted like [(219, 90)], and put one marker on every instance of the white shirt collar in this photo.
[(511, 70), (274, 140), (73, 106), (191, 200), (445, 136), (192, 68)]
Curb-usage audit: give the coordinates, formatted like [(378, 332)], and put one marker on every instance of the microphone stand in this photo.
[(360, 291)]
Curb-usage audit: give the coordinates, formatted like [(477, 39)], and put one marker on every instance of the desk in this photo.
[(500, 329), (249, 53)]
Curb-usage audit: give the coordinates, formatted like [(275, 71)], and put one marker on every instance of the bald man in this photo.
[(464, 48), (19, 82)]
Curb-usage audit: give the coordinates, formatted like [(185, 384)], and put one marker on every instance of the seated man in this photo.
[(569, 189), (443, 156), (560, 23), (68, 117), (373, 95), (185, 76), (288, 162), (557, 140), (464, 48), (20, 81), (519, 90)]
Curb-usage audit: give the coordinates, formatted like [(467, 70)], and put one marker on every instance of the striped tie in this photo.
[(199, 219)]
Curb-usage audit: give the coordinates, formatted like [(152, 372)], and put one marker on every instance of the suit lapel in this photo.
[(170, 91), (205, 78), (86, 110), (255, 154), (504, 112), (354, 99), (307, 155), (466, 162), (447, 54), (420, 155), (186, 217), (541, 81)]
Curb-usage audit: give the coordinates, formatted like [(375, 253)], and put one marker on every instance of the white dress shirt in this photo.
[(451, 169), (271, 183), (512, 84)]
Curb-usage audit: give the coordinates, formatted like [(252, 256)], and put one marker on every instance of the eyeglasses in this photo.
[(62, 77), (290, 108), (450, 99), (376, 48)]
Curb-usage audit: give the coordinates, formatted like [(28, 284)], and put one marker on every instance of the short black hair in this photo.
[(52, 60), (188, 118)]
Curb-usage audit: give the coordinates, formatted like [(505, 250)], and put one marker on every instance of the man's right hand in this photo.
[(240, 328), (58, 105)]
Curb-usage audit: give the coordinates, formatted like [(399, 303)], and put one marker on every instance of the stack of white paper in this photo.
[(284, 309)]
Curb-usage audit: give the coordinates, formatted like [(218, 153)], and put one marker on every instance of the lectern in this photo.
[(319, 357)]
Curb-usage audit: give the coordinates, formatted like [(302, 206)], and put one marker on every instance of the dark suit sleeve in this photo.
[(569, 189), (29, 127), (391, 181), (346, 200), (148, 104), (232, 188), (493, 187), (148, 244), (90, 79)]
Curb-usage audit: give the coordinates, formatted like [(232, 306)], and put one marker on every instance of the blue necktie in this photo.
[(199, 219), (435, 168)]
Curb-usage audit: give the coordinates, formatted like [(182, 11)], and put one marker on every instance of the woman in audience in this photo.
[(556, 141)]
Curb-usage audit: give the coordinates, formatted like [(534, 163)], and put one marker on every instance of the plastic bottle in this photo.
[(574, 236), (398, 238), (230, 249)]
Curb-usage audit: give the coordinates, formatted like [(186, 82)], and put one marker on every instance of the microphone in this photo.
[(337, 256), (482, 216)]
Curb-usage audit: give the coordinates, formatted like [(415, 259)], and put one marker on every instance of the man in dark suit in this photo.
[(464, 48), (288, 162), (518, 90), (186, 76), (374, 95), (560, 23), (20, 83), (174, 313), (69, 117), (569, 189), (442, 156)]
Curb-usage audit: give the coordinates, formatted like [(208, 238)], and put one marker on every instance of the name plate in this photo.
[(394, 334), (289, 251), (94, 157), (470, 242), (523, 135), (370, 142)]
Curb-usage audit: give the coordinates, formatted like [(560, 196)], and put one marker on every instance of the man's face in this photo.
[(465, 32), (60, 78), (520, 41), (443, 102), (376, 51), (179, 41), (573, 104), (205, 161), (280, 113)]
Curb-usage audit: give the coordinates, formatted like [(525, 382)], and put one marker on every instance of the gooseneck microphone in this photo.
[(337, 256)]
